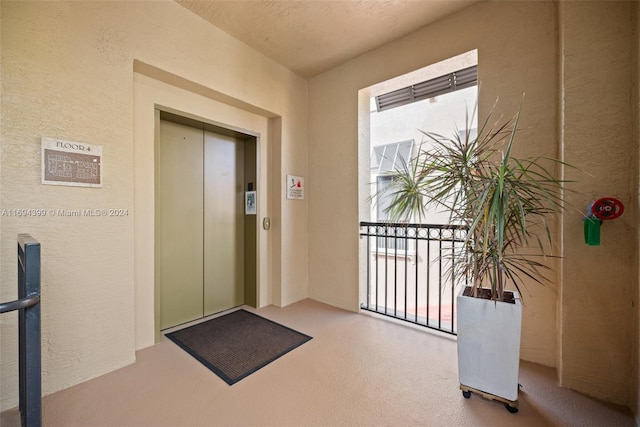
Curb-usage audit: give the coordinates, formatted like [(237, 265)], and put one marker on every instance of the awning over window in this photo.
[(428, 89)]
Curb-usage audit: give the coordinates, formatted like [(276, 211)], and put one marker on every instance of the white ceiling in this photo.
[(311, 36)]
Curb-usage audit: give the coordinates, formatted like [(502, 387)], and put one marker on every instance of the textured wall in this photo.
[(67, 72), (503, 72), (518, 51), (74, 86), (599, 282)]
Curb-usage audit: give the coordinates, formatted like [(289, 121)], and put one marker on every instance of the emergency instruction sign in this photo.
[(295, 187)]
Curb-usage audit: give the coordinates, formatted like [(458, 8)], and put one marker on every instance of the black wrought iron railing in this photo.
[(29, 346), (409, 272)]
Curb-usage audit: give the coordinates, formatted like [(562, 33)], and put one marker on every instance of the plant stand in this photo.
[(489, 348), (511, 405)]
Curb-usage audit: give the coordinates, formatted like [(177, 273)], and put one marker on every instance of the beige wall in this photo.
[(518, 51), (68, 72), (503, 71), (599, 283)]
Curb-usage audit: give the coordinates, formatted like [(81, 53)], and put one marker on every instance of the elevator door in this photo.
[(224, 222), (180, 215), (201, 225)]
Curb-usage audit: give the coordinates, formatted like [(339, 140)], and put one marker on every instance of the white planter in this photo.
[(489, 346)]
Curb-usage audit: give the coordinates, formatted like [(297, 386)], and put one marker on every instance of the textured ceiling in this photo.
[(310, 37)]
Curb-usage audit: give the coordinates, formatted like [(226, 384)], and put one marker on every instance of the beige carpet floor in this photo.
[(357, 370)]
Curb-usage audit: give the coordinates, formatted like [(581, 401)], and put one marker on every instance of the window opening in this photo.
[(391, 157), (441, 105), (403, 264)]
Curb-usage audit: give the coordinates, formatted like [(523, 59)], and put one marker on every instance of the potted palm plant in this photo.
[(503, 202)]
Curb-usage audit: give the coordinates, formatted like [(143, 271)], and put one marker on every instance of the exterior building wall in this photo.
[(443, 115)]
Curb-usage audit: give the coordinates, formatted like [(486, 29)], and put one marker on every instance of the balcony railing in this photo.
[(409, 272)]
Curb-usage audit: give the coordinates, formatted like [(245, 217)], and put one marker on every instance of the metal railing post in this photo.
[(29, 346)]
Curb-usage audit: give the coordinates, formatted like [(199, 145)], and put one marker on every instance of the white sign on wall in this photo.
[(295, 187), (71, 163), (250, 205)]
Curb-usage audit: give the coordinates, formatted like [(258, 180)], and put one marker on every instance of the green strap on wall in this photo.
[(592, 231)]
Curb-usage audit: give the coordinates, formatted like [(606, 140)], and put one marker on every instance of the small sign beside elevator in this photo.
[(295, 187)]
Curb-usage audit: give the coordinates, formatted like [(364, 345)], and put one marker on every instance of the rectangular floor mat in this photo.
[(237, 344)]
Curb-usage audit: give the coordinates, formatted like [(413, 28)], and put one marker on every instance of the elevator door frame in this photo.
[(222, 129)]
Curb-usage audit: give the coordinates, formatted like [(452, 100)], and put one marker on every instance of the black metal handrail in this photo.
[(406, 272), (29, 346)]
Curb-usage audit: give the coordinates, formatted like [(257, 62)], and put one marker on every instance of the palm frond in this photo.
[(502, 200)]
